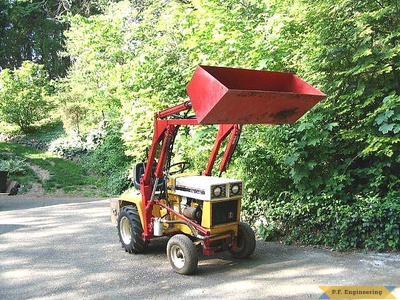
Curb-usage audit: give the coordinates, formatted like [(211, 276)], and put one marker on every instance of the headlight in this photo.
[(235, 189), (217, 192)]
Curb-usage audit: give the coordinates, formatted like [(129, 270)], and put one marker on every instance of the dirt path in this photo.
[(37, 189)]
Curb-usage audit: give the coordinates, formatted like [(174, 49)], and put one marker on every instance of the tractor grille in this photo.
[(224, 212)]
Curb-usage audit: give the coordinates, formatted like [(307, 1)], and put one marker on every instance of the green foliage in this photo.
[(17, 168), (99, 46), (269, 232), (13, 166), (194, 146), (31, 31), (134, 60), (109, 161), (385, 122), (332, 179), (74, 146), (68, 147), (43, 134), (73, 114), (372, 225), (23, 95)]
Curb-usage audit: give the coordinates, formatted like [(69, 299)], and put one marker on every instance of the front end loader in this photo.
[(204, 210)]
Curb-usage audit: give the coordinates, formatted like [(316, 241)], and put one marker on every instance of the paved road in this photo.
[(68, 249)]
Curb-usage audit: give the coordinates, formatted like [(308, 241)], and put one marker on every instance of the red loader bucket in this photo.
[(240, 96)]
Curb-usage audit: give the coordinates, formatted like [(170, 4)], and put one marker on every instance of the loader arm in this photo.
[(165, 130), (228, 97), (224, 131)]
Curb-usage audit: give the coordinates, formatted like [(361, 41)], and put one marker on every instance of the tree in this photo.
[(24, 95), (332, 174), (332, 178), (34, 30), (29, 31)]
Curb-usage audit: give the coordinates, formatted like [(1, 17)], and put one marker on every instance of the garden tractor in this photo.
[(204, 211)]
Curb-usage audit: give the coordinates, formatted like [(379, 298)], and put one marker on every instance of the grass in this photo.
[(46, 132), (42, 132), (66, 175)]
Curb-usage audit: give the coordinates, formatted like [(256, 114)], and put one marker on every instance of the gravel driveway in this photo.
[(53, 248)]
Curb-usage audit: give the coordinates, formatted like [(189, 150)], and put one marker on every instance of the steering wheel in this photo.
[(180, 166)]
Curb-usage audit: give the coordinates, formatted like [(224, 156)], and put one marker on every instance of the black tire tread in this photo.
[(137, 244), (246, 234)]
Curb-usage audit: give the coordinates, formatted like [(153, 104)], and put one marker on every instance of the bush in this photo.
[(68, 147), (24, 95), (109, 160), (312, 189), (14, 166), (74, 147), (118, 181), (102, 153), (371, 223)]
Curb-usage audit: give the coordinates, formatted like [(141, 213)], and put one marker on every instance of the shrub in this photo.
[(372, 223), (109, 160), (14, 166), (68, 147), (24, 95)]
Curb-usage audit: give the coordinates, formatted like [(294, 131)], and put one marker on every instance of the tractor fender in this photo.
[(130, 197)]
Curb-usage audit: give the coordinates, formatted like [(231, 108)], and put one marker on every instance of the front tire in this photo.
[(130, 230), (246, 242), (182, 254)]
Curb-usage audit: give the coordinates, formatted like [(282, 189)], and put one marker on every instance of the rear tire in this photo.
[(182, 254), (246, 242), (130, 230)]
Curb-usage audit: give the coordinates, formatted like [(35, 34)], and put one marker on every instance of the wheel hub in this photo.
[(177, 256), (126, 230)]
